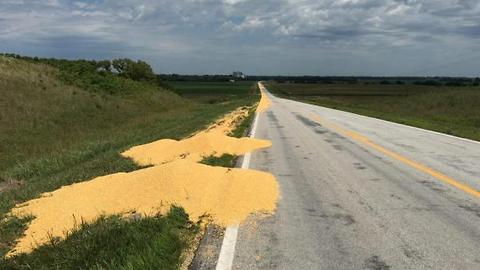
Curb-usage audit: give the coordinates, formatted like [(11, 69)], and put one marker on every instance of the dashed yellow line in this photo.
[(366, 141)]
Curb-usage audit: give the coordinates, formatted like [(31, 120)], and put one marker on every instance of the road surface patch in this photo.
[(366, 141), (375, 263)]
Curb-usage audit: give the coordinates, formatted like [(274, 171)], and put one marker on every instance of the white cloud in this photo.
[(80, 4), (197, 29)]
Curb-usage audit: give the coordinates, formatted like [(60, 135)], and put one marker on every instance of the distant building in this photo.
[(238, 75)]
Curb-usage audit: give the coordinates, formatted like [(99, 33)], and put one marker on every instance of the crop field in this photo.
[(345, 89), (189, 88), (447, 109), (214, 92)]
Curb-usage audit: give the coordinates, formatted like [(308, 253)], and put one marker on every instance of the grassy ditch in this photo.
[(56, 133), (450, 110)]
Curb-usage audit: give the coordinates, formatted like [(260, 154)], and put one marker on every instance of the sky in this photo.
[(257, 37)]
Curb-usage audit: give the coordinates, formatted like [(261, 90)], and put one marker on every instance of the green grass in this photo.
[(215, 88), (227, 160), (244, 126), (213, 92), (55, 133), (115, 243), (40, 114), (353, 90), (117, 76), (450, 110)]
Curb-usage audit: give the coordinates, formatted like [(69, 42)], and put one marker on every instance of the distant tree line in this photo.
[(142, 71), (198, 78), (431, 81)]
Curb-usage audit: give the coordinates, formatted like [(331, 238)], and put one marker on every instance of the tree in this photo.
[(105, 65), (141, 71), (121, 65), (138, 71)]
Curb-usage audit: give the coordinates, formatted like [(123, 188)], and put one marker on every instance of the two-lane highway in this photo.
[(362, 193)]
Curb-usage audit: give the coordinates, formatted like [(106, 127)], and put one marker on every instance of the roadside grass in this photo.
[(115, 243), (227, 160), (55, 134), (450, 110), (243, 128)]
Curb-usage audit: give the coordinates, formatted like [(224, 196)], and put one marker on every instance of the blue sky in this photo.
[(282, 37)]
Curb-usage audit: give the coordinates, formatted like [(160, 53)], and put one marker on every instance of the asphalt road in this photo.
[(362, 193)]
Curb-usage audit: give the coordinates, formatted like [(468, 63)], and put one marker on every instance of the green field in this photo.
[(345, 89), (213, 92), (213, 88), (56, 132), (451, 110)]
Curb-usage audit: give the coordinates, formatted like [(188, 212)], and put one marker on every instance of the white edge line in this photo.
[(386, 121), (227, 251)]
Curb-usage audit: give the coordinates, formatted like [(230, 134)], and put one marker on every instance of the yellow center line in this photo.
[(366, 141)]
